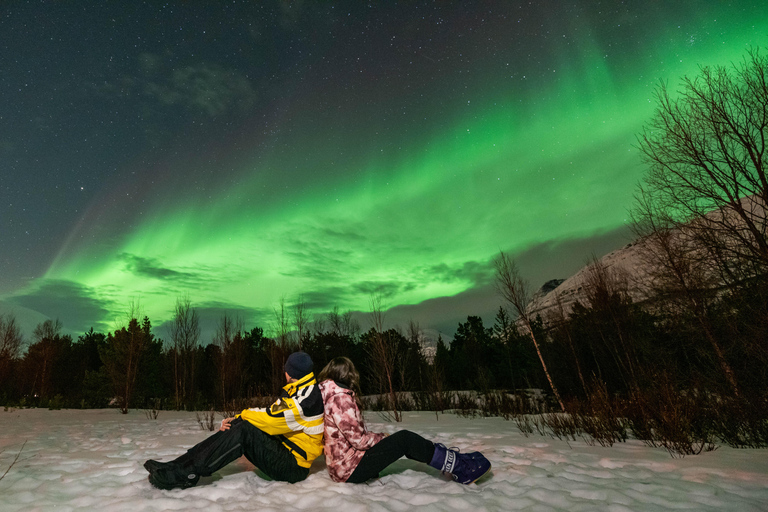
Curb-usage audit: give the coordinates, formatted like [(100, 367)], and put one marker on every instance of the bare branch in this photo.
[(14, 460)]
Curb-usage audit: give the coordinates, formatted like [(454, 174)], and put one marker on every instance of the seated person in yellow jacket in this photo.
[(281, 440)]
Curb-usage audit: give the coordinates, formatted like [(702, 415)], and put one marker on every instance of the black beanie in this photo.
[(298, 365)]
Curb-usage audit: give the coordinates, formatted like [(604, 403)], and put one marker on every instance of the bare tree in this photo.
[(300, 320), (606, 290), (10, 344), (415, 337), (319, 323), (383, 355), (282, 347), (122, 355), (706, 148), (350, 327), (185, 336), (703, 206), (415, 334), (559, 320), (282, 323), (230, 361), (515, 290), (44, 352), (333, 318), (341, 324), (681, 276)]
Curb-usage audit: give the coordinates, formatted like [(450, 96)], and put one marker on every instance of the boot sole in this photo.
[(169, 486), (158, 486), (481, 476)]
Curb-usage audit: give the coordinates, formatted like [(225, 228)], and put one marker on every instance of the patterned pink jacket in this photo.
[(346, 438)]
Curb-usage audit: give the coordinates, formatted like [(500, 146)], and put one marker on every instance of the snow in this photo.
[(92, 459)]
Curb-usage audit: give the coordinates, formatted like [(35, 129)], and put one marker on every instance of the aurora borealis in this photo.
[(243, 153)]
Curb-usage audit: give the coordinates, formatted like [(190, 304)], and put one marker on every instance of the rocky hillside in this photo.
[(623, 264), (626, 265)]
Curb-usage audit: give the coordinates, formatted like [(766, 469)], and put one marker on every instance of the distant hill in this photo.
[(627, 264)]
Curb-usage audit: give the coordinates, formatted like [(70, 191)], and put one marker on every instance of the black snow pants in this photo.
[(388, 450), (264, 451)]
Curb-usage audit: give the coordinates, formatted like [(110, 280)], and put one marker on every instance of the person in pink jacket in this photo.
[(355, 455)]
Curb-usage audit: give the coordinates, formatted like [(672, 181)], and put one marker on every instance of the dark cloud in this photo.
[(385, 289), (325, 298), (199, 88), (316, 258), (325, 266), (478, 273), (206, 88), (347, 235), (150, 267), (74, 304)]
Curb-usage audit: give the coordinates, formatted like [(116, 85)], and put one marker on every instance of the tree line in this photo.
[(606, 339), (133, 367)]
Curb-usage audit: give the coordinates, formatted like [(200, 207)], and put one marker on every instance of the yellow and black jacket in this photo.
[(296, 417)]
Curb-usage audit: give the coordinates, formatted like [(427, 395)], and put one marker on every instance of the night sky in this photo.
[(242, 152)]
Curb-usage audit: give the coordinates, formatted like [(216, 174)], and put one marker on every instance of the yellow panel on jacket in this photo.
[(297, 416)]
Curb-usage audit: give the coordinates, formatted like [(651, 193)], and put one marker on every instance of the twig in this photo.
[(208, 421), (14, 460)]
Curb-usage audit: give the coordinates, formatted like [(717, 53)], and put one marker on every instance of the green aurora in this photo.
[(332, 208)]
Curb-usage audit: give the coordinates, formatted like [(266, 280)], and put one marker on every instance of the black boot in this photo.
[(169, 476), (172, 475), (203, 459)]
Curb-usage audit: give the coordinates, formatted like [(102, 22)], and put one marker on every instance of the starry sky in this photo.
[(247, 153)]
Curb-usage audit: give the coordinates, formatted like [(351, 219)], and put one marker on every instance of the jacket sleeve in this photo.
[(278, 418), (347, 417)]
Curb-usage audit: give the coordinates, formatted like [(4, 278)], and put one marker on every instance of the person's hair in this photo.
[(342, 370)]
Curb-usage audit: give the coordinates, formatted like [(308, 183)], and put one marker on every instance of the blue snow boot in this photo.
[(464, 467)]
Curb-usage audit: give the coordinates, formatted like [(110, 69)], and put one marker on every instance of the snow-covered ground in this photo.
[(92, 460)]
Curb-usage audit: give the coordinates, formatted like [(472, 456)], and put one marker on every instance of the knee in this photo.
[(414, 446), (236, 428), (405, 434), (405, 437)]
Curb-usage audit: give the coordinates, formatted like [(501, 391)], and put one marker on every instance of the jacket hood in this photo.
[(330, 388)]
